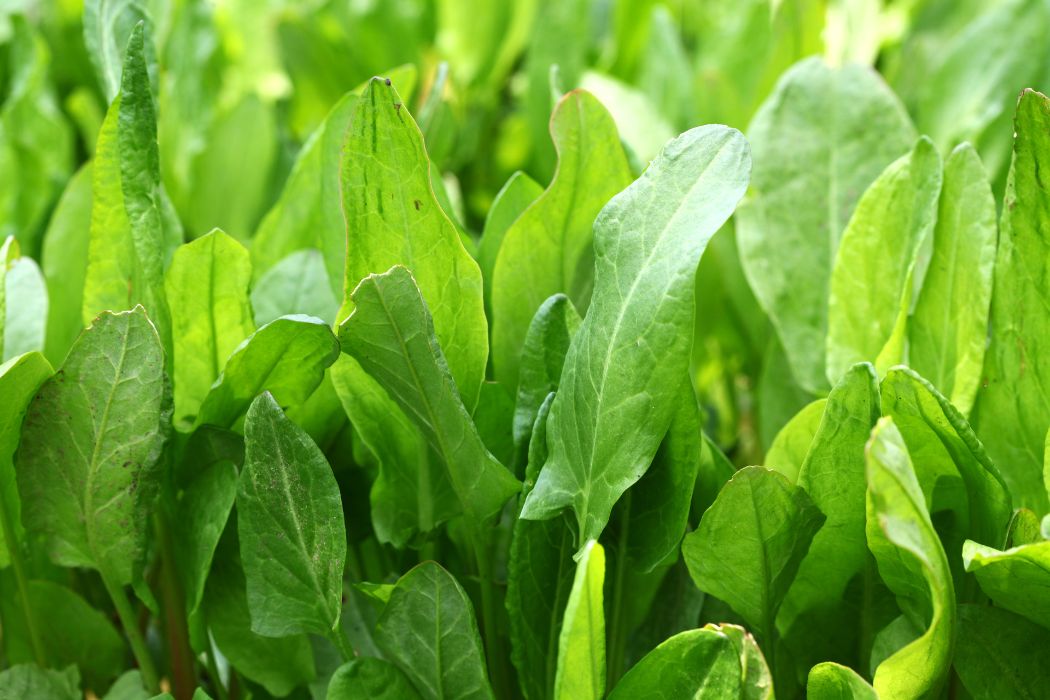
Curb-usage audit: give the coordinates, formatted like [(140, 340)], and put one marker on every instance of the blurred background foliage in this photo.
[(242, 85)]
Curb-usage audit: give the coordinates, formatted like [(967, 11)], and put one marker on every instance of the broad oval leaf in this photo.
[(290, 524), (370, 678), (620, 372), (88, 460)]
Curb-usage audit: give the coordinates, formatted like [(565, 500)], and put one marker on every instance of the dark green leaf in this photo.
[(998, 654), (370, 678), (29, 681)]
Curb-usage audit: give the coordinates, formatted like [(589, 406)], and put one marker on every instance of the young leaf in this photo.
[(620, 373), (581, 643), (913, 565), (391, 334), (287, 358), (750, 543), (130, 236), (948, 331), (1013, 408), (87, 463), (997, 654), (517, 194), (200, 516), (393, 218), (548, 249), (209, 279), (428, 630), (296, 284), (870, 302), (820, 139), (370, 678), (1017, 579), (290, 523), (831, 681)]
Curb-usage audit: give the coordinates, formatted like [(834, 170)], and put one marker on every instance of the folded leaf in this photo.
[(88, 460), (581, 642), (872, 277), (391, 334), (548, 249), (1013, 408), (831, 681), (428, 630), (820, 139), (623, 364), (1017, 579), (290, 524), (913, 564)]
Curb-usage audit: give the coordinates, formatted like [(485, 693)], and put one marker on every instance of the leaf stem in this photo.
[(341, 643), (617, 636), (135, 638), (15, 553), (213, 672), (183, 675)]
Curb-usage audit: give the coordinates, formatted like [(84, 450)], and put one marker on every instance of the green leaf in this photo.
[(29, 681), (542, 358), (581, 642), (428, 630), (297, 284), (1017, 579), (642, 126), (820, 140), (412, 493), (391, 334), (750, 543), (200, 516), (20, 378), (278, 664), (128, 687), (107, 26), (65, 249), (913, 565), (370, 678), (517, 194), (26, 308), (872, 276), (208, 279), (393, 218), (831, 681), (948, 331), (1013, 408), (997, 654), (623, 364), (290, 522), (791, 445), (130, 238), (287, 358), (88, 459), (704, 664), (548, 249)]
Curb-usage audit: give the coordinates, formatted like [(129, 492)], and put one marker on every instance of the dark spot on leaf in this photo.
[(397, 106), (388, 81), (418, 204)]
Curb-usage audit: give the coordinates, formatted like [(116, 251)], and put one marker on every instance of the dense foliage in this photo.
[(451, 383)]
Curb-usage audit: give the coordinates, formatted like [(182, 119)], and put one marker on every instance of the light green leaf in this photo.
[(517, 194), (391, 334), (913, 565), (25, 299), (9, 252), (370, 678), (1017, 579), (287, 358), (872, 276), (581, 642), (831, 681), (20, 377), (65, 249), (820, 139), (1013, 407), (200, 517), (30, 681), (623, 365), (548, 249), (107, 26), (290, 523), (428, 630), (948, 331), (297, 284), (393, 218), (791, 445), (208, 283), (128, 687), (750, 543), (998, 654), (130, 237), (642, 127), (88, 460), (542, 358)]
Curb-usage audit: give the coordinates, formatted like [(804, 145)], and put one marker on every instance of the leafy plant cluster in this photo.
[(450, 383)]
